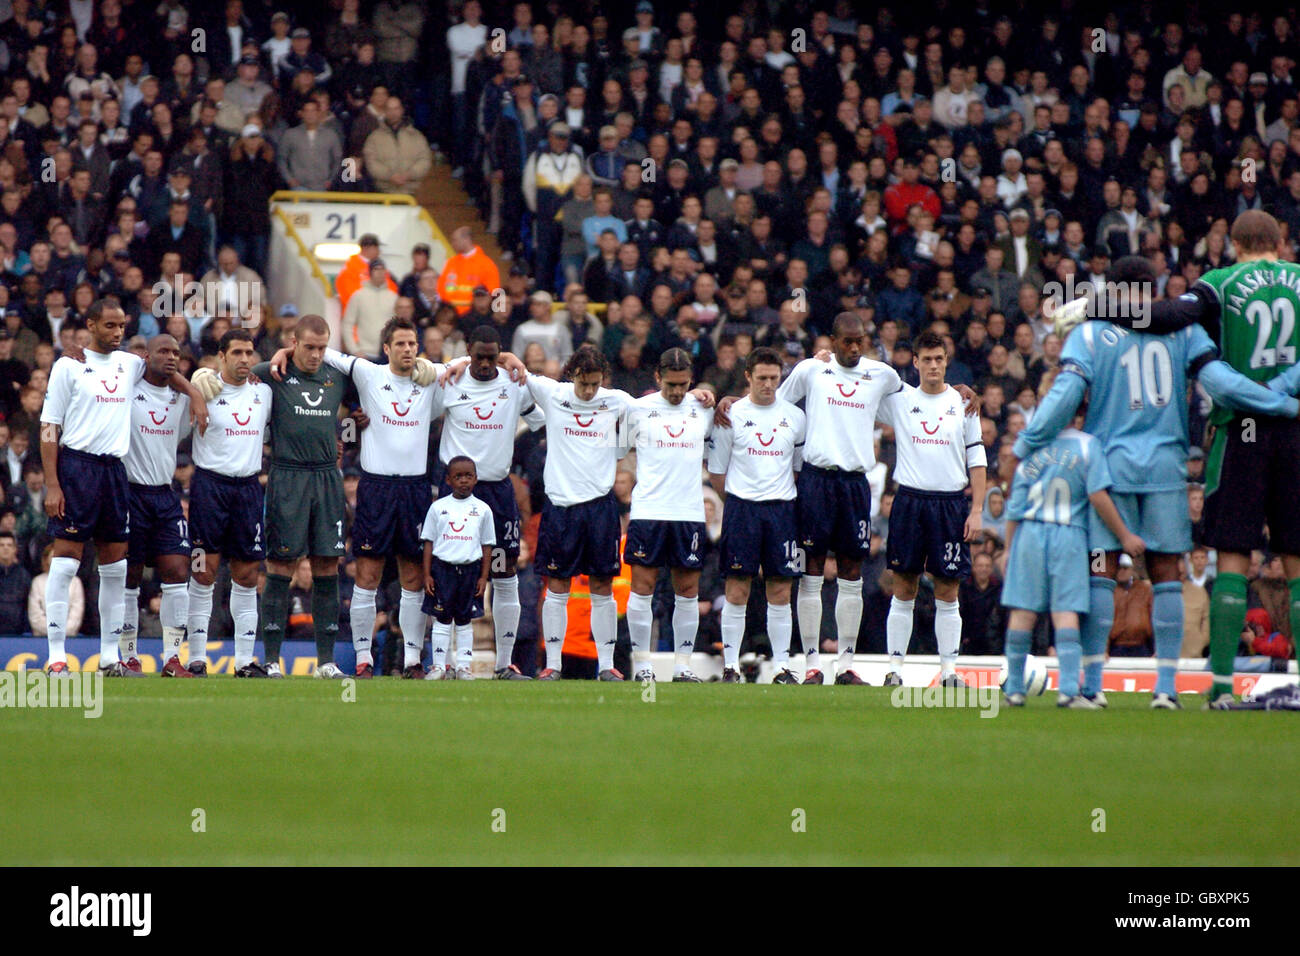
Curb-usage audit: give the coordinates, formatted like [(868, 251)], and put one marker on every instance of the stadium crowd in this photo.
[(657, 177)]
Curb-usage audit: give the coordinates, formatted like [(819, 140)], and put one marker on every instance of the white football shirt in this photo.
[(91, 401), (670, 442), (237, 419), (841, 405), (459, 528), (582, 440), (936, 441), (483, 419), (160, 418), (396, 442), (761, 450)]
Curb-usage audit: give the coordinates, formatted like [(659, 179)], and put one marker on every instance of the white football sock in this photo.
[(848, 619), (898, 632), (780, 628), (112, 582), (57, 584), (200, 617), (362, 616), (947, 634), (640, 621), (733, 633), (464, 645), (505, 617), (810, 619), (172, 611), (604, 628), (243, 608), (130, 623), (441, 641), (686, 625), (555, 621), (412, 645), (412, 620)]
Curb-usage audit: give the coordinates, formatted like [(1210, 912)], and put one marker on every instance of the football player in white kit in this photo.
[(834, 504), (580, 531), (754, 460), (159, 536), (394, 492), (226, 504), (669, 431), (483, 410), (85, 435), (939, 453)]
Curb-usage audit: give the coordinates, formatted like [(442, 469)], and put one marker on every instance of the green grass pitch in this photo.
[(586, 773)]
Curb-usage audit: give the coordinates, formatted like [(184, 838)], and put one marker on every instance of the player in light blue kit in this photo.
[(1047, 553), (1138, 410)]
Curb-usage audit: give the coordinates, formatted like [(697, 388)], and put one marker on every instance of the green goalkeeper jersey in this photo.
[(1259, 303)]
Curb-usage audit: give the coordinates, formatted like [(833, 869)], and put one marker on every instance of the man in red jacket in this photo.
[(907, 193)]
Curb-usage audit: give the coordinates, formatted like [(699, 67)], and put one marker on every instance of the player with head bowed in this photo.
[(483, 410), (753, 461), (159, 536), (669, 430), (579, 532), (85, 435), (939, 454), (226, 502), (1136, 381)]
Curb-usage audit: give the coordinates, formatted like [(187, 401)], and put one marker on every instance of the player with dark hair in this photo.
[(669, 430), (580, 531), (458, 536), (1251, 309), (753, 461), (483, 410), (85, 435), (159, 536), (226, 503), (1136, 408), (939, 454)]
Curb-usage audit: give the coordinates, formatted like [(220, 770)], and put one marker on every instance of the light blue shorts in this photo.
[(1047, 569), (1157, 517)]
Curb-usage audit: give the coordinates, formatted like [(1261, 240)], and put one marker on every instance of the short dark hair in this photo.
[(234, 335), (585, 360), (459, 458), (395, 324), (928, 340), (845, 322), (312, 323), (485, 333), (763, 355), (675, 360), (99, 307)]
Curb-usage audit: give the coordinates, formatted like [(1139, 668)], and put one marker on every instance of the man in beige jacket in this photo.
[(397, 154), (369, 308)]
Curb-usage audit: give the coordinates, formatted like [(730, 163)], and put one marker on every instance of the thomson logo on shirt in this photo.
[(76, 909)]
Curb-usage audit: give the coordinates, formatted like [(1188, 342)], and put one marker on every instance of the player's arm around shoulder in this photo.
[(795, 385)]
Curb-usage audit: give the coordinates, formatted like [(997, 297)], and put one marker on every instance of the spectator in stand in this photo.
[(469, 267), (368, 311), (542, 329), (15, 583), (397, 154), (1131, 634), (36, 619), (983, 620)]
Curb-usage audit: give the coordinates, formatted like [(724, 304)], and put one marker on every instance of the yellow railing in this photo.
[(306, 253)]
